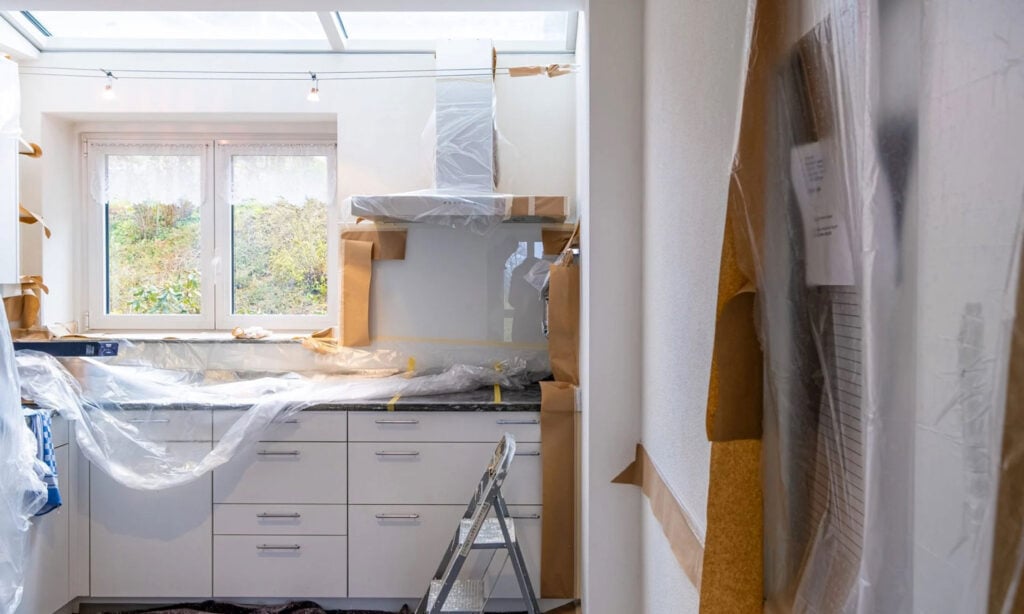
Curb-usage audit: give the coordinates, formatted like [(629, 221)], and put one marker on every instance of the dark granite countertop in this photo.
[(482, 399)]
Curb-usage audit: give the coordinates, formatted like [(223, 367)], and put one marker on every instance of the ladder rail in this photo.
[(486, 497)]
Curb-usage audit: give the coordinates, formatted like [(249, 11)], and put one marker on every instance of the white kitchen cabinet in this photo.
[(444, 426), (394, 550), (284, 472), (152, 543), (436, 473), (303, 426), (296, 567), (47, 572), (291, 519), (10, 110)]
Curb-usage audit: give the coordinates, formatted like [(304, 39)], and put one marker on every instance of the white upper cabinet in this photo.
[(10, 130)]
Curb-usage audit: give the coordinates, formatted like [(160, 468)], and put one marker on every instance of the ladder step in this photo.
[(490, 536), (466, 596)]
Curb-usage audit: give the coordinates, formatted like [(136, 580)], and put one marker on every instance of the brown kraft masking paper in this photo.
[(558, 456), (733, 580), (356, 272), (387, 244), (564, 319), (1006, 586), (674, 521)]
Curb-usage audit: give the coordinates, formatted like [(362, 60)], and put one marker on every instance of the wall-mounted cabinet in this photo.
[(10, 122)]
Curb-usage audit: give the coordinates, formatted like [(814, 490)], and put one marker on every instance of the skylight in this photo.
[(181, 25), (539, 30), (290, 31)]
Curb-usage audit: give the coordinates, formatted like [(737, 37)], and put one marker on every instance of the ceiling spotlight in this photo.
[(314, 92), (108, 88)]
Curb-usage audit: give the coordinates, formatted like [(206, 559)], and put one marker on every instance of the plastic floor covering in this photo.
[(298, 607)]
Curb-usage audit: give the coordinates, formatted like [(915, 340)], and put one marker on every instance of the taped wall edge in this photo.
[(675, 522)]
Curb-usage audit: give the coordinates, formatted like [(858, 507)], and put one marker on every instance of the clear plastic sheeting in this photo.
[(885, 232), (124, 414), (465, 155), (22, 491)]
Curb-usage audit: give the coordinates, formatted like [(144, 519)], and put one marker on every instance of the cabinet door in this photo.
[(9, 227), (46, 573), (395, 549), (152, 543)]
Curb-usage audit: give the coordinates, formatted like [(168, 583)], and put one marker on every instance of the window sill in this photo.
[(196, 336)]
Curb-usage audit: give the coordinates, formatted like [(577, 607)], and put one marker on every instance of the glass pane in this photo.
[(180, 25), (501, 26), (153, 234), (279, 234)]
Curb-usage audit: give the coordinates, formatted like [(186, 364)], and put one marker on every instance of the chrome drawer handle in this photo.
[(269, 515), (278, 453), (509, 421), (149, 420), (391, 453), (528, 453), (397, 516), (274, 547), (525, 516), (397, 421), (292, 421)]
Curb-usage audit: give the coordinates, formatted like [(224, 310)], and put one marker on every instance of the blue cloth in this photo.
[(39, 423)]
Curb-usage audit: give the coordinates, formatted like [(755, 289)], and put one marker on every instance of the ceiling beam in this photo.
[(293, 5), (332, 29)]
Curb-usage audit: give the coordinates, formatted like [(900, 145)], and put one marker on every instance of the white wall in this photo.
[(381, 149), (692, 88), (610, 302)]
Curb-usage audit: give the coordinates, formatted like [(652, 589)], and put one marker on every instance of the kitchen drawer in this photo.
[(283, 472), (280, 567), (395, 549), (303, 426), (477, 426), (436, 473), (261, 519), (170, 424)]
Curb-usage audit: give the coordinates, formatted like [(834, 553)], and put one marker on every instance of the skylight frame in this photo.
[(567, 44), (33, 30), (335, 40)]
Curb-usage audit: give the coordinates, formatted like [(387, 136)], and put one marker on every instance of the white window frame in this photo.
[(227, 320), (215, 242), (96, 242)]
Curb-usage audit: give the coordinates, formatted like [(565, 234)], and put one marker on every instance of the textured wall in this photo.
[(694, 59)]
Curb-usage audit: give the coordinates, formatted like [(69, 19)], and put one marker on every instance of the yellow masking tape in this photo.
[(497, 393), (391, 403)]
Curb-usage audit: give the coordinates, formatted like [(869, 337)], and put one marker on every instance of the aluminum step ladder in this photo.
[(478, 531)]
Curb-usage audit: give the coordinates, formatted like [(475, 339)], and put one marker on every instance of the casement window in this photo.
[(207, 234)]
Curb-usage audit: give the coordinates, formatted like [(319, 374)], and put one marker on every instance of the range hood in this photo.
[(465, 154)]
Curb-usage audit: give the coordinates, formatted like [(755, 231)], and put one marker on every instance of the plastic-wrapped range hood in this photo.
[(465, 156)]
